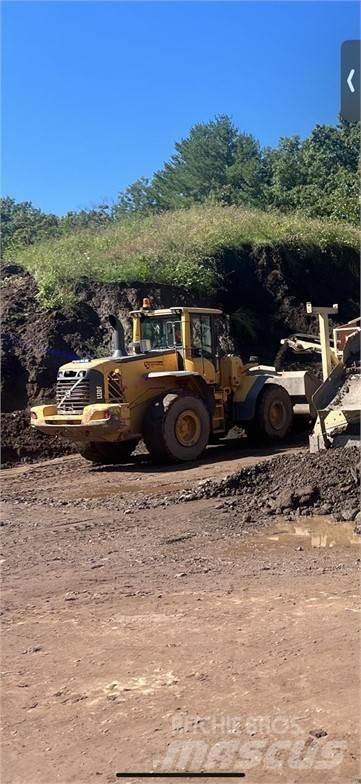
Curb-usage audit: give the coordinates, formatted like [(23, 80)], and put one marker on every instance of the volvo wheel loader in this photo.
[(176, 389)]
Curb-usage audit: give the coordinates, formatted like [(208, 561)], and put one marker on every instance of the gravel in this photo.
[(349, 396), (294, 485)]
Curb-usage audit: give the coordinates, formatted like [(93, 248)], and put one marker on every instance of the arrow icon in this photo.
[(349, 80)]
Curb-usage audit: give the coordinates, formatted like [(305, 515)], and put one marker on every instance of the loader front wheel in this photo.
[(101, 453), (274, 414), (176, 428)]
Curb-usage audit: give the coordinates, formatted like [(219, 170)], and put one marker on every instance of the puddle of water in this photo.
[(316, 532), (313, 532)]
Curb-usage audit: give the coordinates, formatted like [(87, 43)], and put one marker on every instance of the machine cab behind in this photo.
[(193, 332)]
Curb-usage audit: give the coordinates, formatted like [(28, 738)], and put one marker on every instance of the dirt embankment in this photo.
[(264, 292)]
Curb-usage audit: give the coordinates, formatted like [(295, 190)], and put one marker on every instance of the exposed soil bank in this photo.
[(263, 291)]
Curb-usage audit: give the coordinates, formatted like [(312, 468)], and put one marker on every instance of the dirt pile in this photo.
[(294, 485), (20, 443)]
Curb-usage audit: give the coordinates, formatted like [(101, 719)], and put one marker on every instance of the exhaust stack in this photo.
[(118, 338)]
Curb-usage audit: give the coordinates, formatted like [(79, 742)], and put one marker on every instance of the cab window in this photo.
[(201, 335), (163, 332)]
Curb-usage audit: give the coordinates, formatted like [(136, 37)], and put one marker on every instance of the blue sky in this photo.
[(96, 93)]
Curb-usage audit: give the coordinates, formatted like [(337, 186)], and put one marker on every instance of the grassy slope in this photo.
[(177, 248)]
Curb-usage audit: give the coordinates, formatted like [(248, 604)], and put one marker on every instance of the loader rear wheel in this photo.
[(274, 414), (176, 428), (101, 453)]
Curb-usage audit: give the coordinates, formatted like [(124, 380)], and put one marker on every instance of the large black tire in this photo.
[(176, 428), (101, 453), (274, 415)]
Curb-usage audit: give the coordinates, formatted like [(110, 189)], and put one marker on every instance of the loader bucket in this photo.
[(337, 403)]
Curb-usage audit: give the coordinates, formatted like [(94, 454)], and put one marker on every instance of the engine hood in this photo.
[(152, 360)]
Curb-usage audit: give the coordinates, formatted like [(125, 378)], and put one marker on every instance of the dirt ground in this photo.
[(173, 639)]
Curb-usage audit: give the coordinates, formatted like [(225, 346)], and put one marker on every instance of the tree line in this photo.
[(217, 163)]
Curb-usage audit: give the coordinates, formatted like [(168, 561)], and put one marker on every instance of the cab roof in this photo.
[(175, 311)]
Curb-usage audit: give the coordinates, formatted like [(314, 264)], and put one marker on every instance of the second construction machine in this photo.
[(176, 389), (337, 400)]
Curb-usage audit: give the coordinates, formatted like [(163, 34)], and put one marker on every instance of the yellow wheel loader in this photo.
[(176, 389)]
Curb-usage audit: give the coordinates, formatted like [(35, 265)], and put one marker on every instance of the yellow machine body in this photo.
[(174, 351)]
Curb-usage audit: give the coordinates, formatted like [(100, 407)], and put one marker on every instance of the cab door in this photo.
[(201, 356)]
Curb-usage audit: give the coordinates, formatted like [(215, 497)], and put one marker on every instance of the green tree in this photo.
[(138, 197), (24, 224), (214, 162), (318, 176), (284, 173), (343, 201), (198, 168), (95, 218), (331, 159), (245, 176)]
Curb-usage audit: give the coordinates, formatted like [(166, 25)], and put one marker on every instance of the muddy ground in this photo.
[(132, 623)]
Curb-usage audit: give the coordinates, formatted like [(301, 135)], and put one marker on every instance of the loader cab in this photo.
[(192, 332)]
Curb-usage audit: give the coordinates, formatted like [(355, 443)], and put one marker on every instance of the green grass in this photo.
[(179, 248)]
